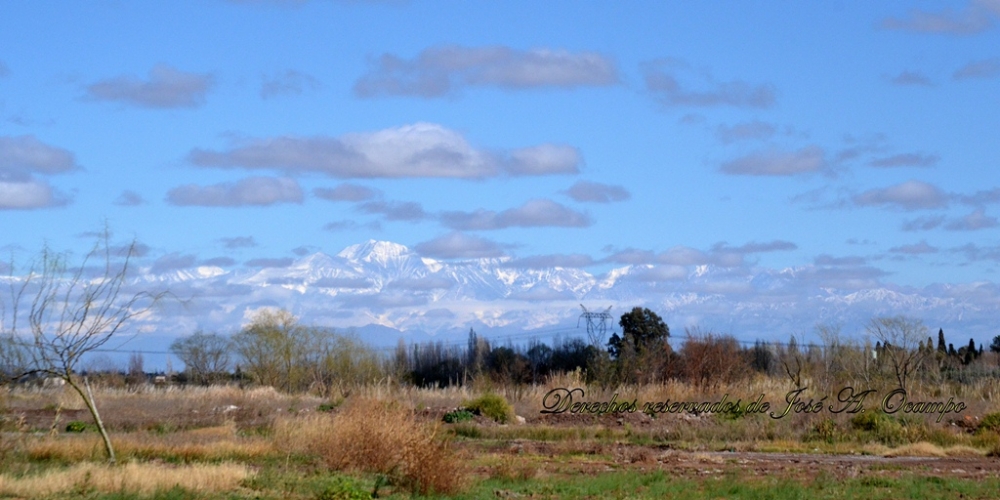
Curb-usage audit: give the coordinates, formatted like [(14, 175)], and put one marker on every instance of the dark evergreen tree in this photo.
[(640, 328), (941, 344), (995, 346)]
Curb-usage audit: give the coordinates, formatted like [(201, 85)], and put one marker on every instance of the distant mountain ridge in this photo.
[(387, 284)]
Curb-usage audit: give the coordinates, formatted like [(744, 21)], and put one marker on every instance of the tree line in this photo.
[(276, 350)]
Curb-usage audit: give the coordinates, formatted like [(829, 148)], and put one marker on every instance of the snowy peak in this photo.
[(374, 251)]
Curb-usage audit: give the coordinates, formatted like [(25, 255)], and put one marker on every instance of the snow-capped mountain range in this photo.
[(379, 283)]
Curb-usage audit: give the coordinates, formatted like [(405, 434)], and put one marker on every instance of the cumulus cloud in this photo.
[(544, 159), (910, 195), (29, 194), (595, 192), (906, 160), (923, 223), (809, 159), (129, 198), (753, 130), (914, 249), (911, 78), (975, 221), (459, 246), (238, 242), (534, 213), (219, 261), (829, 260), (982, 197), (661, 78), (974, 18), (395, 210), (755, 247), (418, 150), (24, 155), (975, 252), (552, 260), (172, 262), (346, 192), (988, 68), (166, 87), (444, 70), (255, 191), (290, 82)]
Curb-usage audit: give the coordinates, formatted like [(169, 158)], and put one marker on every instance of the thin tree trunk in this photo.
[(88, 398)]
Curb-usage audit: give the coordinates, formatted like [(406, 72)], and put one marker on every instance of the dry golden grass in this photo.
[(208, 444), (377, 436), (925, 449), (131, 478)]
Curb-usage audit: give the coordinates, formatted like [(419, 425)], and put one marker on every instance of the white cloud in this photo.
[(346, 192), (923, 223), (173, 261), (28, 194), (440, 71), (809, 159), (595, 192), (459, 246), (915, 249), (238, 242), (910, 195), (418, 150), (259, 191), (973, 222), (166, 87), (544, 159), (534, 213), (25, 154), (753, 130), (661, 79)]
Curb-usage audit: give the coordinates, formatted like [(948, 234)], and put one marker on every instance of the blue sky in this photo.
[(855, 139)]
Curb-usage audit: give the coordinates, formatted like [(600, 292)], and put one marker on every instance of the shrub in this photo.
[(990, 422), (880, 427), (77, 426), (343, 489), (457, 416), (824, 430), (493, 406), (386, 438)]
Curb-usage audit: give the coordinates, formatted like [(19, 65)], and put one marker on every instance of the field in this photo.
[(393, 442)]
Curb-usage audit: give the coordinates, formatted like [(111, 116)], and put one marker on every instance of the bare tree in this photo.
[(900, 337), (206, 357), (69, 313)]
